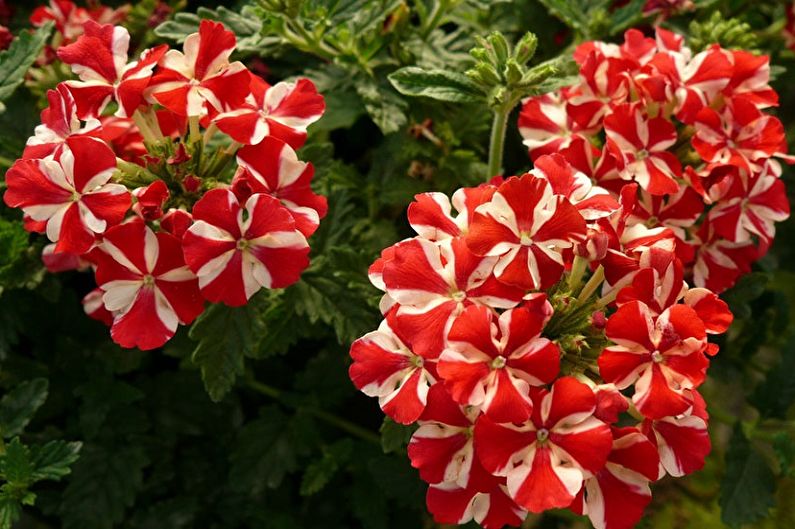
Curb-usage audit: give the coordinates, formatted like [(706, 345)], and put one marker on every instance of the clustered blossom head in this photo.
[(172, 175), (548, 332)]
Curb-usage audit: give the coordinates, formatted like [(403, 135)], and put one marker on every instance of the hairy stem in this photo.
[(497, 142)]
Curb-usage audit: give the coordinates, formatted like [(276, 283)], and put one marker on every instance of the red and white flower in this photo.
[(72, 194), (545, 124), (663, 356), (201, 74), (99, 58), (385, 366), (273, 168), (526, 226), (282, 111), (491, 362), (639, 144), (617, 495), (237, 250), (547, 458), (146, 284)]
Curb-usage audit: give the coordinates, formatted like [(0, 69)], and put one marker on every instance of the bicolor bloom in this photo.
[(237, 250), (547, 458), (72, 194), (430, 214), (201, 74), (146, 285), (616, 496), (282, 111), (433, 283), (273, 168), (663, 356), (640, 146), (526, 227), (491, 362), (99, 58), (385, 366), (58, 122)]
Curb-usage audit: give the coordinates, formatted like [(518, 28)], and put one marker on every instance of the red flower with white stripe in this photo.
[(430, 215), (433, 283), (442, 447), (237, 250), (72, 194), (639, 144), (617, 495), (662, 356), (682, 441), (527, 227), (750, 79), (282, 111), (719, 262), (740, 135), (99, 58), (592, 201), (146, 285), (385, 366), (485, 500), (273, 168), (547, 458), (58, 122), (545, 124), (201, 74), (491, 362)]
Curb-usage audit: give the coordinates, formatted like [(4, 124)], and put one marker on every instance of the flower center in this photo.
[(525, 239), (643, 154), (498, 363), (542, 435), (242, 244), (459, 296), (657, 356), (417, 361), (149, 280), (75, 196)]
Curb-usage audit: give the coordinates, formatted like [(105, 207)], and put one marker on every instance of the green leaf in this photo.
[(18, 406), (441, 85), (19, 57), (15, 465), (320, 471), (246, 26), (748, 486), (10, 511), (626, 16), (776, 393), (14, 241), (53, 460), (747, 289), (264, 452), (104, 483), (226, 335), (395, 436), (574, 13), (784, 446), (385, 107)]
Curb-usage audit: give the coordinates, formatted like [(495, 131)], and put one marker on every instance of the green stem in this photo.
[(195, 131), (592, 284), (497, 142), (578, 268), (329, 418)]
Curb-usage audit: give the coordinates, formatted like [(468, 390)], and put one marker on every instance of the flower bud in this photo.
[(525, 48)]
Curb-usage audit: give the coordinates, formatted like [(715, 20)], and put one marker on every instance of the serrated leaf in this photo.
[(748, 486), (226, 335), (385, 107), (19, 57), (320, 471), (14, 240), (104, 483), (246, 27), (264, 452), (18, 406), (53, 460), (15, 465), (395, 436), (441, 85), (776, 393), (574, 13)]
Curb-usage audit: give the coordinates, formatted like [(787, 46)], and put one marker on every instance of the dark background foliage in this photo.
[(248, 419)]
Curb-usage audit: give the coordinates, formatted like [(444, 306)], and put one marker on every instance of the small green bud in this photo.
[(538, 74), (479, 54), (485, 74), (525, 48), (513, 72), (500, 46)]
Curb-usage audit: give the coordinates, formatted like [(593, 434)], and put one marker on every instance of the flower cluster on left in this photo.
[(173, 175)]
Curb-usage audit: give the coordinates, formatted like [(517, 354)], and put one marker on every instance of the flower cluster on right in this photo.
[(547, 333)]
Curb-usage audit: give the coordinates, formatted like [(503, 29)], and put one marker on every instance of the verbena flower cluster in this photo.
[(547, 333), (173, 175)]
